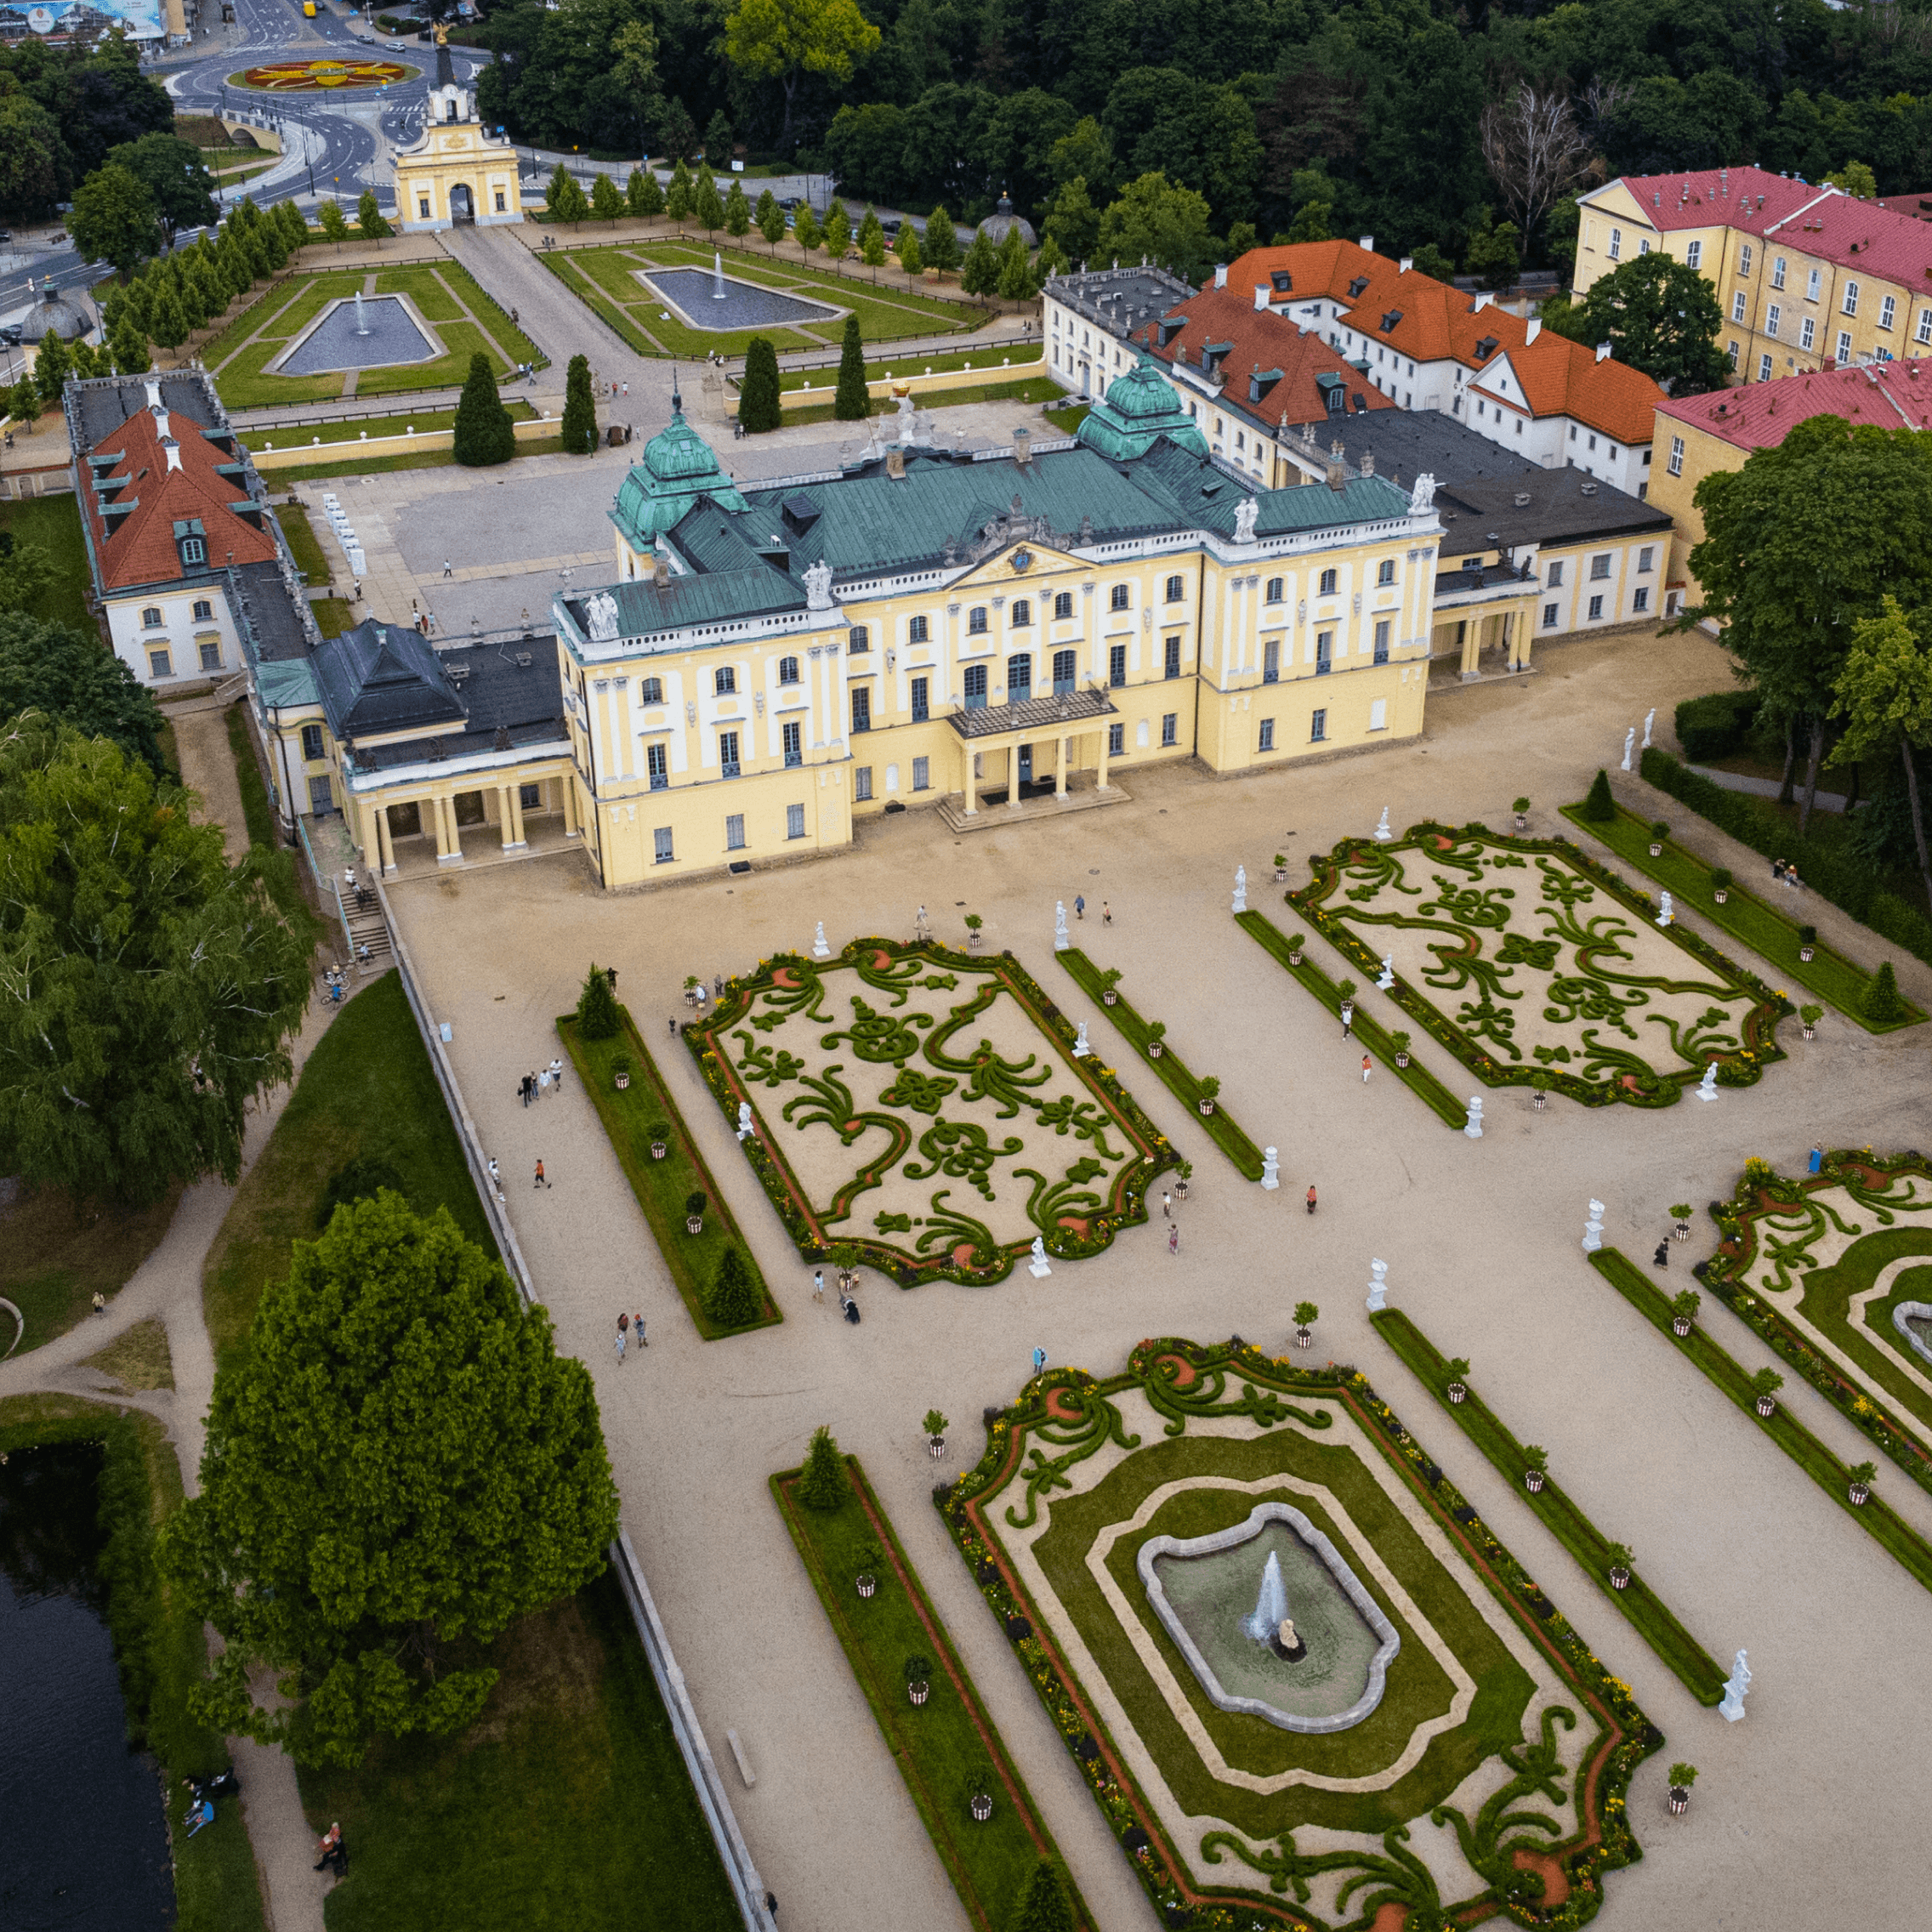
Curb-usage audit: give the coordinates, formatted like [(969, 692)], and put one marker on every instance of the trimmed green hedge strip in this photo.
[(1756, 822), (926, 1741), (1841, 982), (1646, 1611), (1258, 926), (1186, 1088), (1897, 1537)]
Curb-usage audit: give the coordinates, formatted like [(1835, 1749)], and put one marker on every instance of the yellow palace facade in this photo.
[(1001, 634)]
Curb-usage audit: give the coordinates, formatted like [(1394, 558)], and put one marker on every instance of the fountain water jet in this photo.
[(1271, 1607), (719, 291), (361, 321)]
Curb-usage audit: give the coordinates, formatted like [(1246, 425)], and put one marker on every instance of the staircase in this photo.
[(367, 927)]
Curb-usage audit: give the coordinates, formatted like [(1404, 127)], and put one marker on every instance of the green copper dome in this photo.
[(677, 468), (1139, 409)]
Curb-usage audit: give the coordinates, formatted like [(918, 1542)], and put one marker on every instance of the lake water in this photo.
[(83, 1847)]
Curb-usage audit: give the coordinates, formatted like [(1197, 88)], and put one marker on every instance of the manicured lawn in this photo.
[(879, 370), (1069, 419), (565, 1807), (938, 1745), (333, 616), (662, 1187), (349, 464), (303, 542), (1765, 928), (1035, 389), (54, 523), (56, 1252), (367, 1088)]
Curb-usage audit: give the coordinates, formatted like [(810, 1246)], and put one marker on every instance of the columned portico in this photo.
[(1067, 721)]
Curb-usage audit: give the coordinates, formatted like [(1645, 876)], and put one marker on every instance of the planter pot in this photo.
[(1206, 1108), (1522, 821), (1401, 1060), (1805, 953), (623, 1081), (1294, 959), (1657, 851), (1721, 894), (936, 1445), (1154, 1049), (694, 1223), (918, 1692), (658, 1150), (1810, 1032), (1619, 1577), (1683, 1231), (1679, 1325), (1767, 1405), (1859, 1493), (972, 942), (1679, 1799), (1180, 1190), (981, 1807), (1304, 1337), (867, 1585), (1457, 1390), (1537, 1100), (1532, 1480), (1110, 998), (1281, 875)]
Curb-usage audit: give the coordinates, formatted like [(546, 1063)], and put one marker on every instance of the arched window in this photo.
[(724, 681), (976, 619), (1063, 605), (1020, 677), (651, 691), (1385, 572), (1327, 584), (861, 639), (1177, 589), (916, 631), (150, 617), (1116, 598), (788, 670), (204, 611), (1275, 590), (1022, 613)]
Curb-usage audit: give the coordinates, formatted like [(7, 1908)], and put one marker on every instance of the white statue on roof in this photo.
[(1422, 499), (600, 613), (906, 421), (1245, 513), (818, 585)]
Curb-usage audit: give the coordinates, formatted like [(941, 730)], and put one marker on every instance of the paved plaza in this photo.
[(1806, 1810)]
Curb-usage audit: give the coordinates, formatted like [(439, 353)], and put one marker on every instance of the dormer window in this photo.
[(1390, 320), (1282, 280), (1356, 287), (1485, 349), (193, 550)]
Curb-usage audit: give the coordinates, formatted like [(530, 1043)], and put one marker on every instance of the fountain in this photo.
[(719, 291), (1271, 1607), (361, 321)]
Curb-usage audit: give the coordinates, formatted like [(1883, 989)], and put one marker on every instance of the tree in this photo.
[(677, 130), (1050, 261), (171, 168), (580, 407), (1167, 223), (23, 404), (168, 324), (1013, 275), (941, 244), (151, 986), (759, 406), (333, 222), (25, 572), (607, 199), (48, 669), (872, 241), (1495, 253), (292, 224), (1073, 222), (677, 195), (1084, 154), (32, 176), (853, 402), (737, 213), (1599, 807), (643, 195), (732, 1300), (130, 346), (770, 219), (706, 205), (836, 229), (564, 199), (824, 1482), (1661, 318), (400, 1461), (1430, 260), (52, 367), (370, 220), (483, 433), (1884, 1006), (804, 229), (1043, 1907), (597, 1015), (114, 219), (1854, 178), (1884, 695), (1311, 222), (781, 40), (910, 259), (979, 273), (1537, 149), (717, 139)]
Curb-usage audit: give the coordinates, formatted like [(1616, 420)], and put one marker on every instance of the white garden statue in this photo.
[(1270, 1169), (1650, 718), (1629, 746), (818, 585), (1061, 942), (1707, 1087), (1245, 513), (1422, 499), (1666, 913), (600, 612), (1039, 1267), (1081, 1049), (1472, 1128), (1383, 834), (1241, 888), (1593, 1228), (1735, 1686), (819, 949), (1387, 975), (1377, 1287), (745, 1128)]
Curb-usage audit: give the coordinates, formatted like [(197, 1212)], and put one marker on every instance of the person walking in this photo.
[(1173, 1239), (333, 1851), (446, 571), (540, 1181), (1662, 1258), (542, 1080), (556, 1076), (100, 1302), (1311, 1197), (1365, 1069), (1039, 1360), (1080, 905), (621, 1321), (1106, 913), (818, 1284), (523, 1090), (637, 1329), (671, 1025), (1167, 1205), (1347, 1019), (496, 1179)]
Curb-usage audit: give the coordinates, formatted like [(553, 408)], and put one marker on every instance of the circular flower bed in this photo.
[(307, 76)]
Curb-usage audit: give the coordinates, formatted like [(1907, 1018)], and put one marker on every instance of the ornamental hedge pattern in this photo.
[(1525, 957), (910, 1091), (1064, 1416)]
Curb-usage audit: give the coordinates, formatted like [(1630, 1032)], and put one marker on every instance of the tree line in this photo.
[(61, 110)]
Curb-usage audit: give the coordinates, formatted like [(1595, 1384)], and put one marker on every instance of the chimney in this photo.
[(1023, 447), (1338, 478), (1405, 264), (171, 450), (153, 388), (1532, 332), (1261, 296), (1368, 244), (1482, 301), (1603, 352), (1220, 275), (895, 463)]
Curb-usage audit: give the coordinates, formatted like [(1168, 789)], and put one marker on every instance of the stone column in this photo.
[(1060, 768), (1472, 647), (972, 782), (442, 830), (571, 830), (385, 841), (1100, 775), (1013, 798), (366, 813), (507, 826), (516, 815)]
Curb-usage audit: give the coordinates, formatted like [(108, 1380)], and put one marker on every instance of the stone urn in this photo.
[(1767, 1406), (1401, 1060), (1155, 1049), (866, 1585), (982, 1806), (623, 1080), (1805, 952), (1679, 1799), (1532, 1480), (1457, 1391), (1680, 1324), (694, 1223), (919, 1691), (1859, 1494), (1180, 1190)]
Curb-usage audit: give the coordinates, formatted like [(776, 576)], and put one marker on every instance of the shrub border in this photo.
[(1647, 1614), (1759, 1022), (902, 1739), (897, 1264), (1912, 1552), (1602, 1783)]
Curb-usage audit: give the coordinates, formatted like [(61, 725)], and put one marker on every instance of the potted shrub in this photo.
[(1280, 868), (1659, 833), (1807, 941), (1156, 1035), (659, 1133), (1458, 1383), (1522, 807), (1346, 988), (1535, 1466), (1183, 1174), (918, 1679), (1682, 1777), (1400, 1041), (980, 1792), (1210, 1090), (1680, 1212), (1539, 1088), (973, 922), (1305, 1315), (692, 987), (1809, 1016), (695, 1205), (1110, 984), (1862, 1476), (1295, 944), (1720, 884), (1765, 1386), (934, 1423), (1619, 1566), (1683, 1312), (621, 1072), (871, 1560)]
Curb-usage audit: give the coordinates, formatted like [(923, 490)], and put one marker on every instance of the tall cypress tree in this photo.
[(759, 406), (852, 404), (483, 431), (580, 408), (823, 1483), (979, 273), (732, 1301)]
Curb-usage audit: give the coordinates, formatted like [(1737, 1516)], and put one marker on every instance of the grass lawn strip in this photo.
[(1694, 1668), (1185, 1087), (1838, 981), (161, 1649), (1451, 1111), (1912, 1552), (929, 363), (938, 1081), (1026, 388), (422, 421), (662, 1187), (56, 1252), (302, 543), (1579, 958), (938, 1745), (54, 523), (367, 1088), (1069, 1410), (350, 465)]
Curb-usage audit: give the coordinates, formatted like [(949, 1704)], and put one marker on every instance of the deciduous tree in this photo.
[(370, 222), (607, 199), (770, 219), (114, 219), (644, 195), (783, 40), (48, 669), (183, 189), (1884, 695), (1536, 148), (1661, 318), (334, 223), (941, 244)]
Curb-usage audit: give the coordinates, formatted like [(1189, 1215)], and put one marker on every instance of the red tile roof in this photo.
[(139, 547), (1749, 199), (1562, 377), (1893, 395)]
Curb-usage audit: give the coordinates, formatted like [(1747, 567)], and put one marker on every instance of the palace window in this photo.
[(1066, 671), (1020, 677), (1177, 590), (919, 706), (735, 832), (655, 765), (1265, 742), (861, 708), (1116, 598), (1170, 723), (794, 821), (861, 639), (1063, 605), (975, 687), (1327, 588), (976, 621), (788, 672), (661, 845), (150, 617), (1386, 570), (1274, 583), (1022, 613), (1694, 255), (861, 781), (312, 741), (651, 691), (922, 774), (1318, 727), (1271, 661), (204, 611), (1171, 662), (1116, 665), (790, 737), (728, 753), (724, 681), (1382, 641), (916, 631)]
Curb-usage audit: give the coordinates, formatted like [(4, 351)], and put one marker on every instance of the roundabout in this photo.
[(328, 75)]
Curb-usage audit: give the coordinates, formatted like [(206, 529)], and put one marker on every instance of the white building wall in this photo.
[(180, 635)]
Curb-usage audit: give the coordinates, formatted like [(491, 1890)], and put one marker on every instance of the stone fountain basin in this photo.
[(1914, 1321), (1202, 1588)]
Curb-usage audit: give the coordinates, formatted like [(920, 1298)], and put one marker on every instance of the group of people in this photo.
[(847, 1306), (628, 1326), (1784, 873), (546, 1080), (202, 1793)]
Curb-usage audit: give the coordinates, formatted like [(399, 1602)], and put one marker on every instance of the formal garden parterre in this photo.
[(1536, 966), (920, 1110), (1490, 1772)]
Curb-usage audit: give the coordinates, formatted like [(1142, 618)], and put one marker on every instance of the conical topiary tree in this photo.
[(1043, 1907), (1883, 1005), (770, 219), (677, 195), (732, 1299), (837, 229), (941, 245), (851, 404), (824, 1483), (580, 409), (758, 407), (910, 259), (1599, 807), (979, 273), (483, 431), (597, 1015)]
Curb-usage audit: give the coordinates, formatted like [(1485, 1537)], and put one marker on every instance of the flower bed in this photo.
[(1533, 1869), (924, 1111), (1185, 1087), (1728, 1019)]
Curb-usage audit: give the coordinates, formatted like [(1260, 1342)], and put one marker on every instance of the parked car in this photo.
[(11, 334)]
